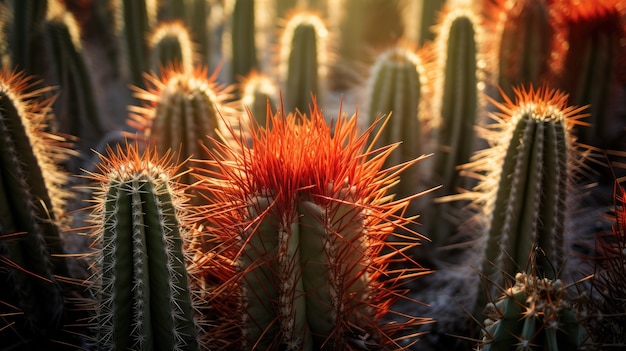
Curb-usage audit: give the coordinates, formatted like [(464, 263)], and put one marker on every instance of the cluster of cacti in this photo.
[(298, 227)]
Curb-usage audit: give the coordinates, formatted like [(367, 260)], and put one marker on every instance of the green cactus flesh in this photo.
[(303, 78), (145, 300), (244, 57)]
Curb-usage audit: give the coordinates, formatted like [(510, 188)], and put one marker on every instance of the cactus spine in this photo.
[(144, 297), (396, 88), (30, 200), (303, 60), (528, 178), (306, 225), (532, 315)]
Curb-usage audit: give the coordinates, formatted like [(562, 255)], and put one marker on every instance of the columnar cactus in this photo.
[(75, 108), (30, 201), (258, 91), (456, 107), (25, 35), (305, 214), (524, 44), (141, 225), (397, 87), (593, 69), (532, 315), (242, 39), (527, 178), (170, 45), (181, 111), (134, 21), (303, 56)]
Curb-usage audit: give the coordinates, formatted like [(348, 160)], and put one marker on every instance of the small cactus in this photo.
[(532, 315), (141, 226), (170, 45), (303, 60), (257, 92), (304, 216)]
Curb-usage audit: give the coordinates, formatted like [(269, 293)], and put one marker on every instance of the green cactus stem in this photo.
[(456, 102), (134, 21), (144, 299), (306, 227), (303, 61), (75, 108), (258, 91), (170, 45), (523, 27), (25, 36), (30, 201), (242, 39), (527, 181), (181, 111), (396, 88), (532, 315)]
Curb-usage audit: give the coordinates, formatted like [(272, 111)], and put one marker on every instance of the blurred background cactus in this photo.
[(179, 77)]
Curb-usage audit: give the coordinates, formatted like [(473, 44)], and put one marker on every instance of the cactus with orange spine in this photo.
[(521, 27), (305, 214), (141, 226), (534, 314), (592, 68), (75, 107), (526, 183), (456, 106), (181, 111), (170, 45), (303, 56), (31, 200), (396, 88)]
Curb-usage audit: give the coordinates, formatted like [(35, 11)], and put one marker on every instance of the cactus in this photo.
[(456, 109), (523, 27), (532, 315), (303, 60), (170, 45), (305, 226), (181, 111), (141, 225), (75, 108), (397, 86), (527, 178), (592, 69), (134, 21), (31, 200), (258, 91), (242, 39), (25, 36)]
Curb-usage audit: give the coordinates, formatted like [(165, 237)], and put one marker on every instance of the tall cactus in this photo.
[(170, 45), (134, 21), (303, 56), (242, 39), (532, 315), (25, 35), (526, 180), (304, 214), (141, 227), (181, 111), (456, 107), (75, 108), (31, 199)]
